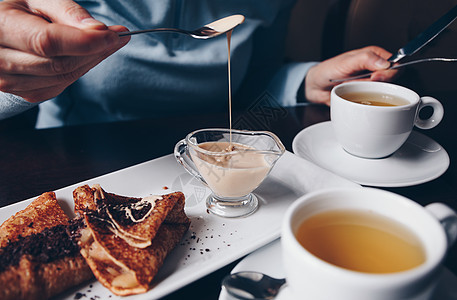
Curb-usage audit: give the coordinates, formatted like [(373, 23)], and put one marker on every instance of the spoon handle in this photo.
[(125, 33), (413, 62)]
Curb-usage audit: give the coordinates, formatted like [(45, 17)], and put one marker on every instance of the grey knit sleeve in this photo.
[(11, 105)]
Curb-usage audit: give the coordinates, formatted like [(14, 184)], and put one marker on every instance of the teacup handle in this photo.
[(435, 118), (448, 219), (182, 156)]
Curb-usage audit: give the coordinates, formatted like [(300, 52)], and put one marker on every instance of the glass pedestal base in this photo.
[(232, 207)]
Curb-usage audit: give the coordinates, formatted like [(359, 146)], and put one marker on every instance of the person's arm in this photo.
[(299, 81), (287, 84), (45, 46)]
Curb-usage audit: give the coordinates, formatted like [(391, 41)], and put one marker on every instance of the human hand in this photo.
[(47, 45), (372, 58)]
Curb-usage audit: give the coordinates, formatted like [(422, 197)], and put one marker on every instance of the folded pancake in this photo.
[(127, 239), (135, 220), (40, 257), (33, 219)]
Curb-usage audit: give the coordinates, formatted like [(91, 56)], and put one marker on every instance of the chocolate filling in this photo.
[(119, 214), (117, 209), (44, 247)]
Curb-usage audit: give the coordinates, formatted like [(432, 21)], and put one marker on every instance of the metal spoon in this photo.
[(210, 30), (252, 285), (397, 66)]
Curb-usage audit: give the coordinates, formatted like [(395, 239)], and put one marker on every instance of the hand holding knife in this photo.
[(416, 44), (426, 36)]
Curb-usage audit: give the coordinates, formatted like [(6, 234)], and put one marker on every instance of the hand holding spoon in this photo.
[(210, 30), (252, 285)]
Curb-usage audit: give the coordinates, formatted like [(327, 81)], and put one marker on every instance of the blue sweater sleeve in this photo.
[(286, 82), (11, 105)]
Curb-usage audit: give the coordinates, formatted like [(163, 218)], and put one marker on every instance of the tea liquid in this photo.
[(374, 99), (361, 241)]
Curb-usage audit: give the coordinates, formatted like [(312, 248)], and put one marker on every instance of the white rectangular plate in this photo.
[(211, 242)]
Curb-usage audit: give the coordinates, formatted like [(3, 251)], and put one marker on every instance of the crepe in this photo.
[(39, 254), (127, 239), (130, 218), (33, 219)]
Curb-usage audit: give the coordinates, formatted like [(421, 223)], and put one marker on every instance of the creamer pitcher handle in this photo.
[(447, 218), (182, 156)]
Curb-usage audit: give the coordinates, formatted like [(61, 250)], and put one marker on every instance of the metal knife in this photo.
[(426, 36)]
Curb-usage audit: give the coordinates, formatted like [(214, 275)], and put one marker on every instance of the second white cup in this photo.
[(311, 276), (375, 131)]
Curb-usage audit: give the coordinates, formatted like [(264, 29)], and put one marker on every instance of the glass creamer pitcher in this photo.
[(232, 164)]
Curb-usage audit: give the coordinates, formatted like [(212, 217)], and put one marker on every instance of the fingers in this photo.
[(376, 58), (368, 58), (47, 45), (372, 58), (68, 71), (13, 62), (40, 88), (66, 12), (21, 29), (17, 62), (384, 75), (37, 78), (378, 63)]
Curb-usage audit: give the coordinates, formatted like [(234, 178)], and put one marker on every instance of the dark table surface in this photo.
[(35, 161)]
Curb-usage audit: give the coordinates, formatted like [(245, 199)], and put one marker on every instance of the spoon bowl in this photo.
[(252, 285), (210, 30)]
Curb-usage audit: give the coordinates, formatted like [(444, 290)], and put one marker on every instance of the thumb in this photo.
[(376, 58), (378, 63), (66, 12)]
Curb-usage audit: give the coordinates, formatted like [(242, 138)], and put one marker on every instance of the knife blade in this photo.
[(426, 36)]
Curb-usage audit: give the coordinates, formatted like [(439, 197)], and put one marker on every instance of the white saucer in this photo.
[(419, 160), (268, 260)]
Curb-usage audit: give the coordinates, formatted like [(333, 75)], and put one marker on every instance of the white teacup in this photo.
[(310, 277), (372, 131)]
